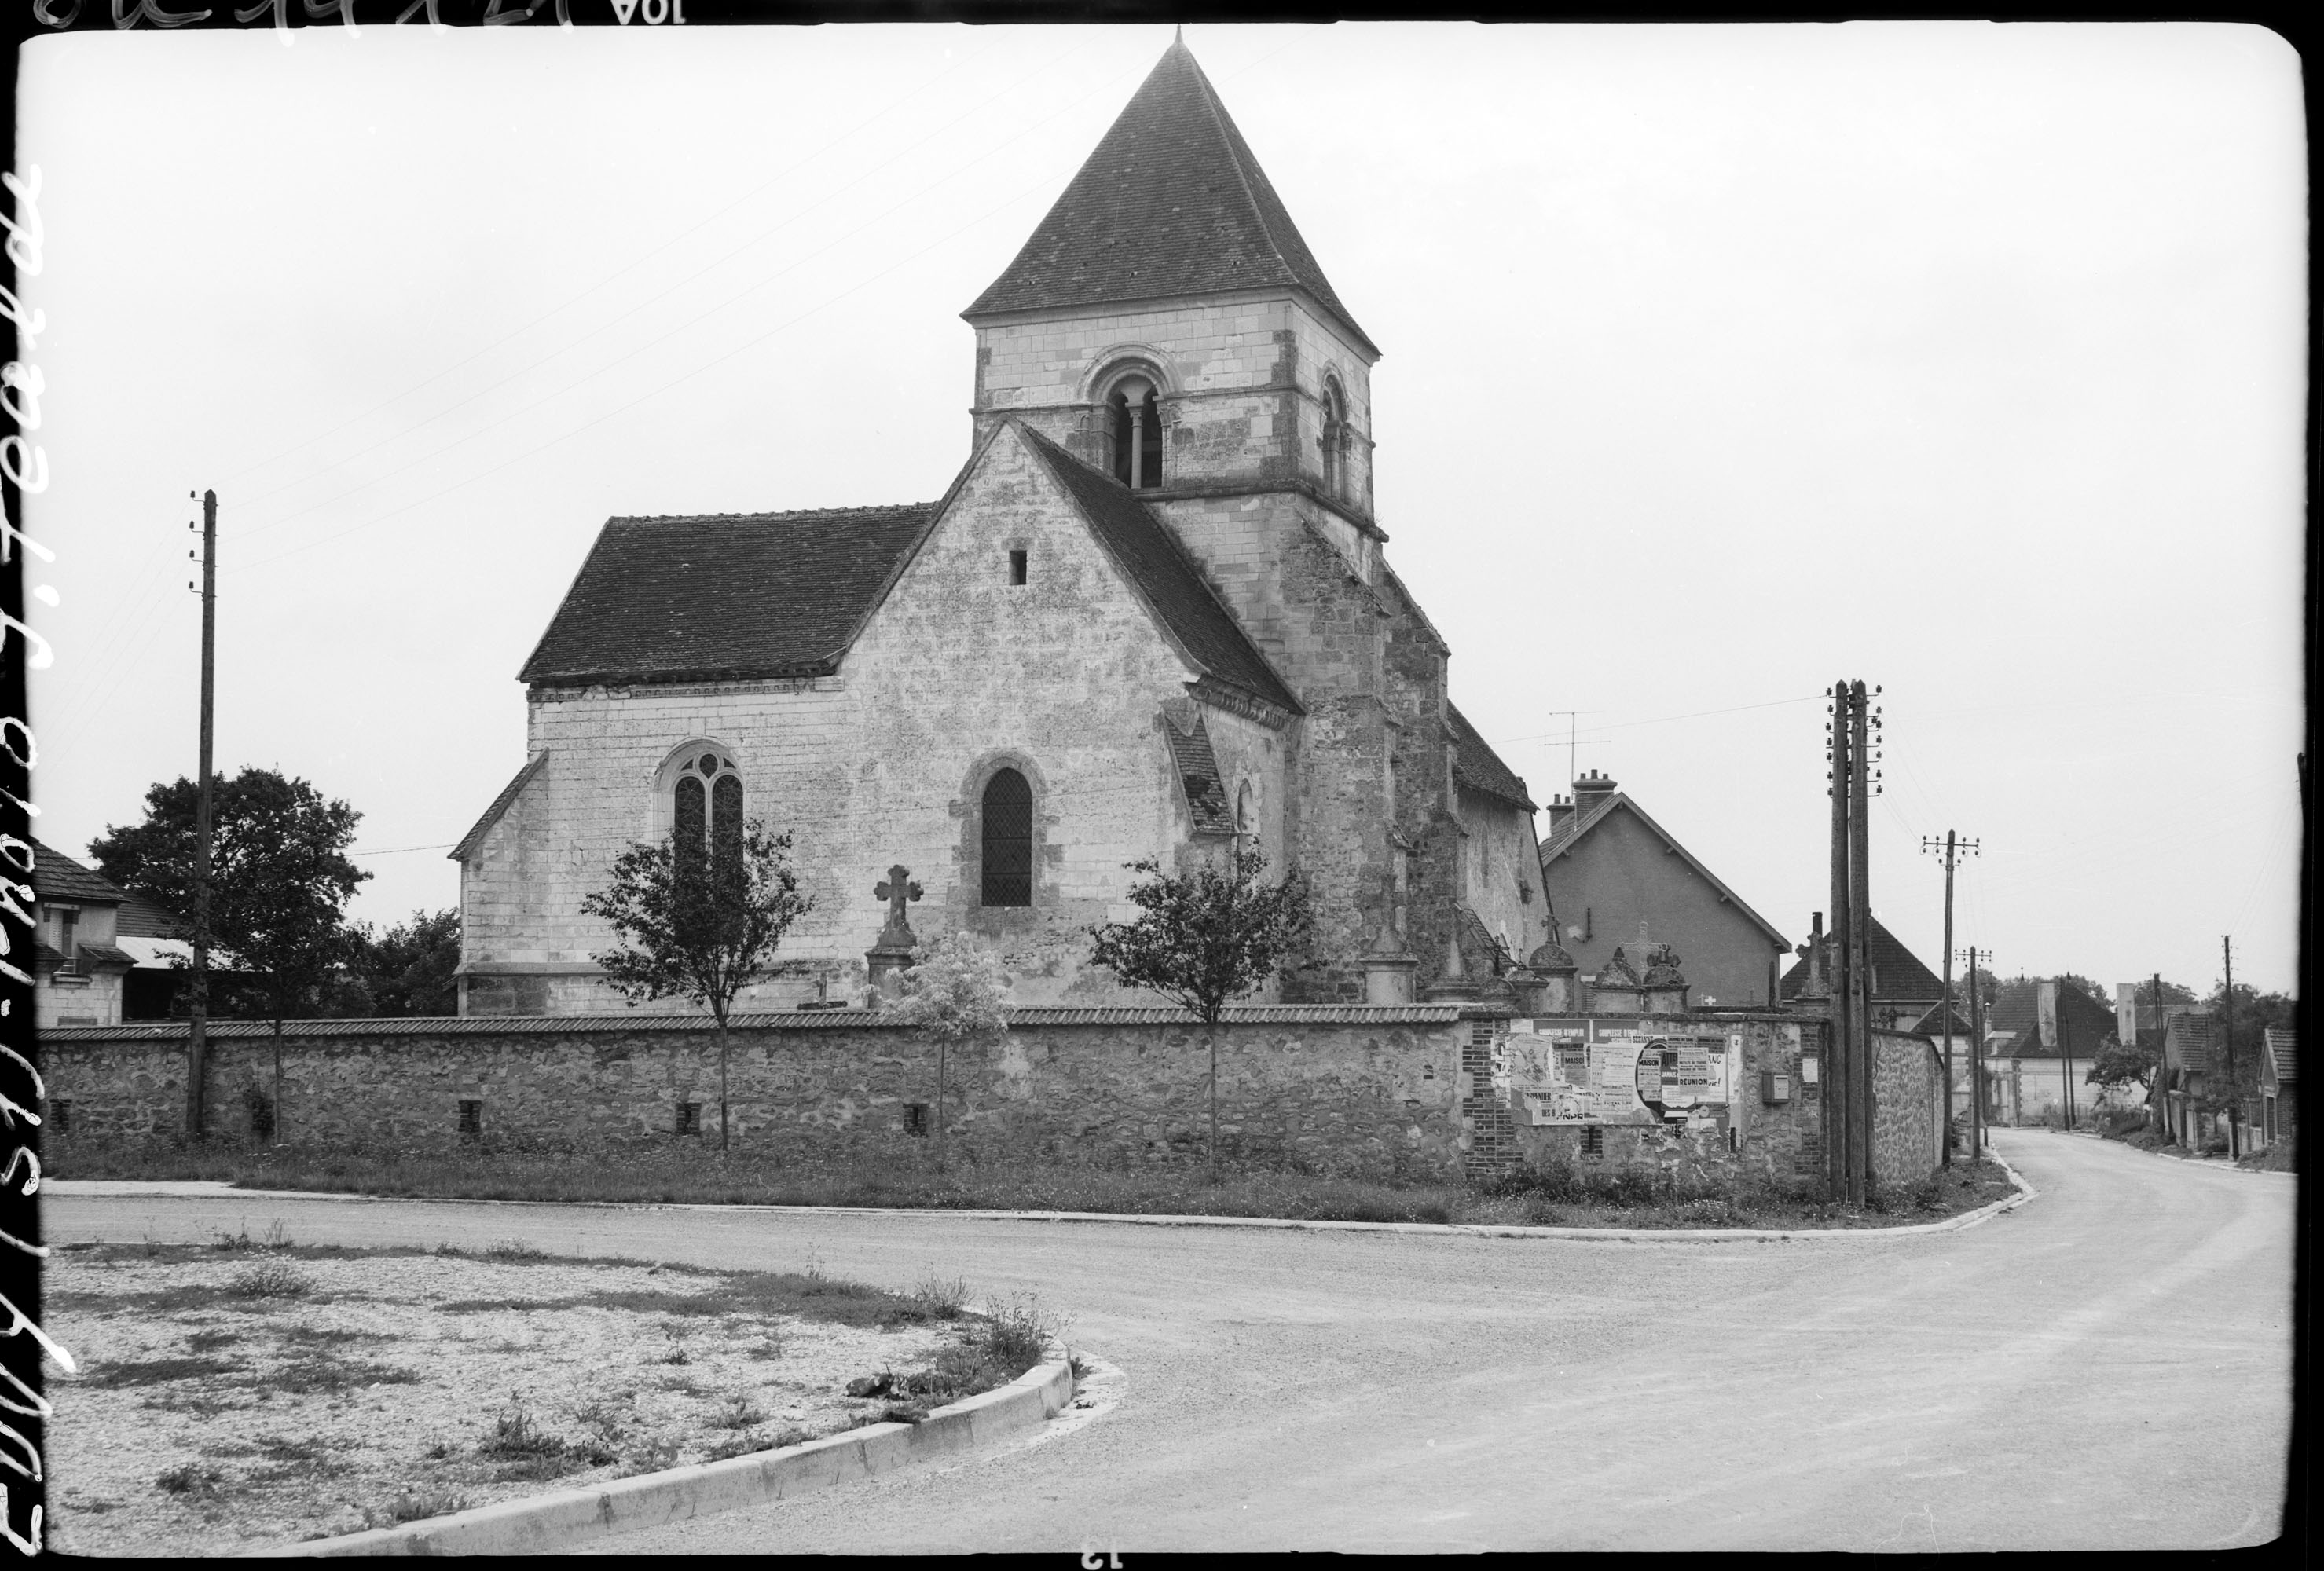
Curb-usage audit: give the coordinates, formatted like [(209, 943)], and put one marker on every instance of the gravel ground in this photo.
[(2107, 1367), (210, 1417)]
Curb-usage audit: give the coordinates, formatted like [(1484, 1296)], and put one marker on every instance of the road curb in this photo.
[(214, 1189), (549, 1522)]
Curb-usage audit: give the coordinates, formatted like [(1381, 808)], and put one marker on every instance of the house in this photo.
[(1152, 614), (1903, 990), (104, 956), (1615, 880), (2279, 1084), (2035, 1079), (2186, 1077), (77, 968)]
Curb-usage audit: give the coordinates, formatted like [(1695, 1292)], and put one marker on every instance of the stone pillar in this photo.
[(1452, 985), (1548, 988), (1617, 990), (1666, 990)]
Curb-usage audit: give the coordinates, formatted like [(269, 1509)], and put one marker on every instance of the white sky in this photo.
[(1720, 362)]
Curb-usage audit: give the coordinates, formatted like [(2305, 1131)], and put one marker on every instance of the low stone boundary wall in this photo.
[(1908, 1089), (1342, 1088)]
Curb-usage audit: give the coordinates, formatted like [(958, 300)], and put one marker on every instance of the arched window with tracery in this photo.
[(706, 809), (1135, 407), (1008, 840), (1245, 811)]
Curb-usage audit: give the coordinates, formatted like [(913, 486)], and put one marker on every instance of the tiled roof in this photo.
[(2082, 1020), (1897, 974), (2283, 1053), (1171, 203), (57, 877), (1934, 1022), (141, 918), (501, 804), (725, 596), (1198, 768), (1160, 569), (784, 1020), (1476, 764), (2187, 1039)]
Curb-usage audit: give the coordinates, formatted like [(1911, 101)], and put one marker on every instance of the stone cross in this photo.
[(899, 887)]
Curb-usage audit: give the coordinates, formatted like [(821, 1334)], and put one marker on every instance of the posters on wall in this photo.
[(1613, 1074)]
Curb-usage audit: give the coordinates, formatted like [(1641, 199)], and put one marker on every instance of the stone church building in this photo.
[(1153, 613)]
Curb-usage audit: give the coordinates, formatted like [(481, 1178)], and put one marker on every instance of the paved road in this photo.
[(2107, 1367)]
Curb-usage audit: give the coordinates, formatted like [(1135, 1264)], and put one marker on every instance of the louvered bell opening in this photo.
[(1008, 841)]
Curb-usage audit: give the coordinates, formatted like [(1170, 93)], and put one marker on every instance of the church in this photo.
[(1152, 614)]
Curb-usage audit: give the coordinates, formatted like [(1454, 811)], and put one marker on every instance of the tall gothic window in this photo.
[(1137, 433), (706, 809), (1008, 848)]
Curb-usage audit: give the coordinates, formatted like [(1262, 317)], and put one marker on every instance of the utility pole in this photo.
[(196, 1041), (2065, 1064), (1839, 1099), (1861, 723), (2158, 1092), (1976, 1055), (2228, 1038), (1951, 847)]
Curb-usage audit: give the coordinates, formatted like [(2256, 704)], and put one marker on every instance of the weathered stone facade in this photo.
[(1011, 635), (1908, 1090), (1361, 1090)]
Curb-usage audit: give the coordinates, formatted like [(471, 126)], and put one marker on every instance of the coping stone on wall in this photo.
[(786, 1020)]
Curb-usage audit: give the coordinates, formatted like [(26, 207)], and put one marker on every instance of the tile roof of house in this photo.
[(1476, 764), (1569, 833), (141, 918), (2283, 1053), (2188, 1039), (1170, 203), (57, 877), (2083, 1021), (501, 805), (1934, 1022), (1197, 767), (1160, 569), (725, 596), (1897, 973)]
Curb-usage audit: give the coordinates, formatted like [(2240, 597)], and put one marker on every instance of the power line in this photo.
[(1663, 718)]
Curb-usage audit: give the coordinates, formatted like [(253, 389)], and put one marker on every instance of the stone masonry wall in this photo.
[(1753, 1142), (1372, 1091), (1908, 1091), (958, 673)]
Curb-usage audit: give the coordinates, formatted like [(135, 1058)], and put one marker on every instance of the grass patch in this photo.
[(1012, 1336), (414, 1504), (159, 1372), (321, 1373), (270, 1279), (191, 1481)]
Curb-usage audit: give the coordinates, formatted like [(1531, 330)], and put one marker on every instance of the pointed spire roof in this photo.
[(1171, 203)]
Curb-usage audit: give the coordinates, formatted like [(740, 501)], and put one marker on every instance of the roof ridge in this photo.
[(889, 507)]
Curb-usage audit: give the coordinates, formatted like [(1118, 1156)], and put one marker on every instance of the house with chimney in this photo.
[(1619, 884), (101, 955), (2278, 1085), (2040, 1061), (2187, 1077)]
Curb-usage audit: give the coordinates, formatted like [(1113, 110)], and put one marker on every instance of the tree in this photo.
[(955, 993), (279, 880), (699, 923), (2255, 1012), (1205, 938), (408, 969), (2120, 1063)]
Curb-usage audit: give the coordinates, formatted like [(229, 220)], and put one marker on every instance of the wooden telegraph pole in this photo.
[(2228, 1041), (196, 1041), (1860, 930), (1951, 847), (1839, 1099), (1977, 1055)]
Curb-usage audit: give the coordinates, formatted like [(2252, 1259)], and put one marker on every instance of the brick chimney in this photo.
[(1590, 792), (1561, 814)]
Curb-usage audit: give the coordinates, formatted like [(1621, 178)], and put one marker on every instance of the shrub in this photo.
[(942, 1297), (515, 1438), (270, 1279)]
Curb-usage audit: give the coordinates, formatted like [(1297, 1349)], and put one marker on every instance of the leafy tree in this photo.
[(699, 924), (2121, 1064), (410, 968), (279, 880), (2254, 1013), (955, 993), (1206, 937)]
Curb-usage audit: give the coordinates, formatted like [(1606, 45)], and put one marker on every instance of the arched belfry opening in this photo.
[(1137, 413), (1336, 441)]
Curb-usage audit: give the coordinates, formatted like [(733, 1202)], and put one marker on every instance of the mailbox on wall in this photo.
[(1775, 1088)]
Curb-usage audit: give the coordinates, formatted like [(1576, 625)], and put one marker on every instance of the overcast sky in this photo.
[(1718, 361)]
